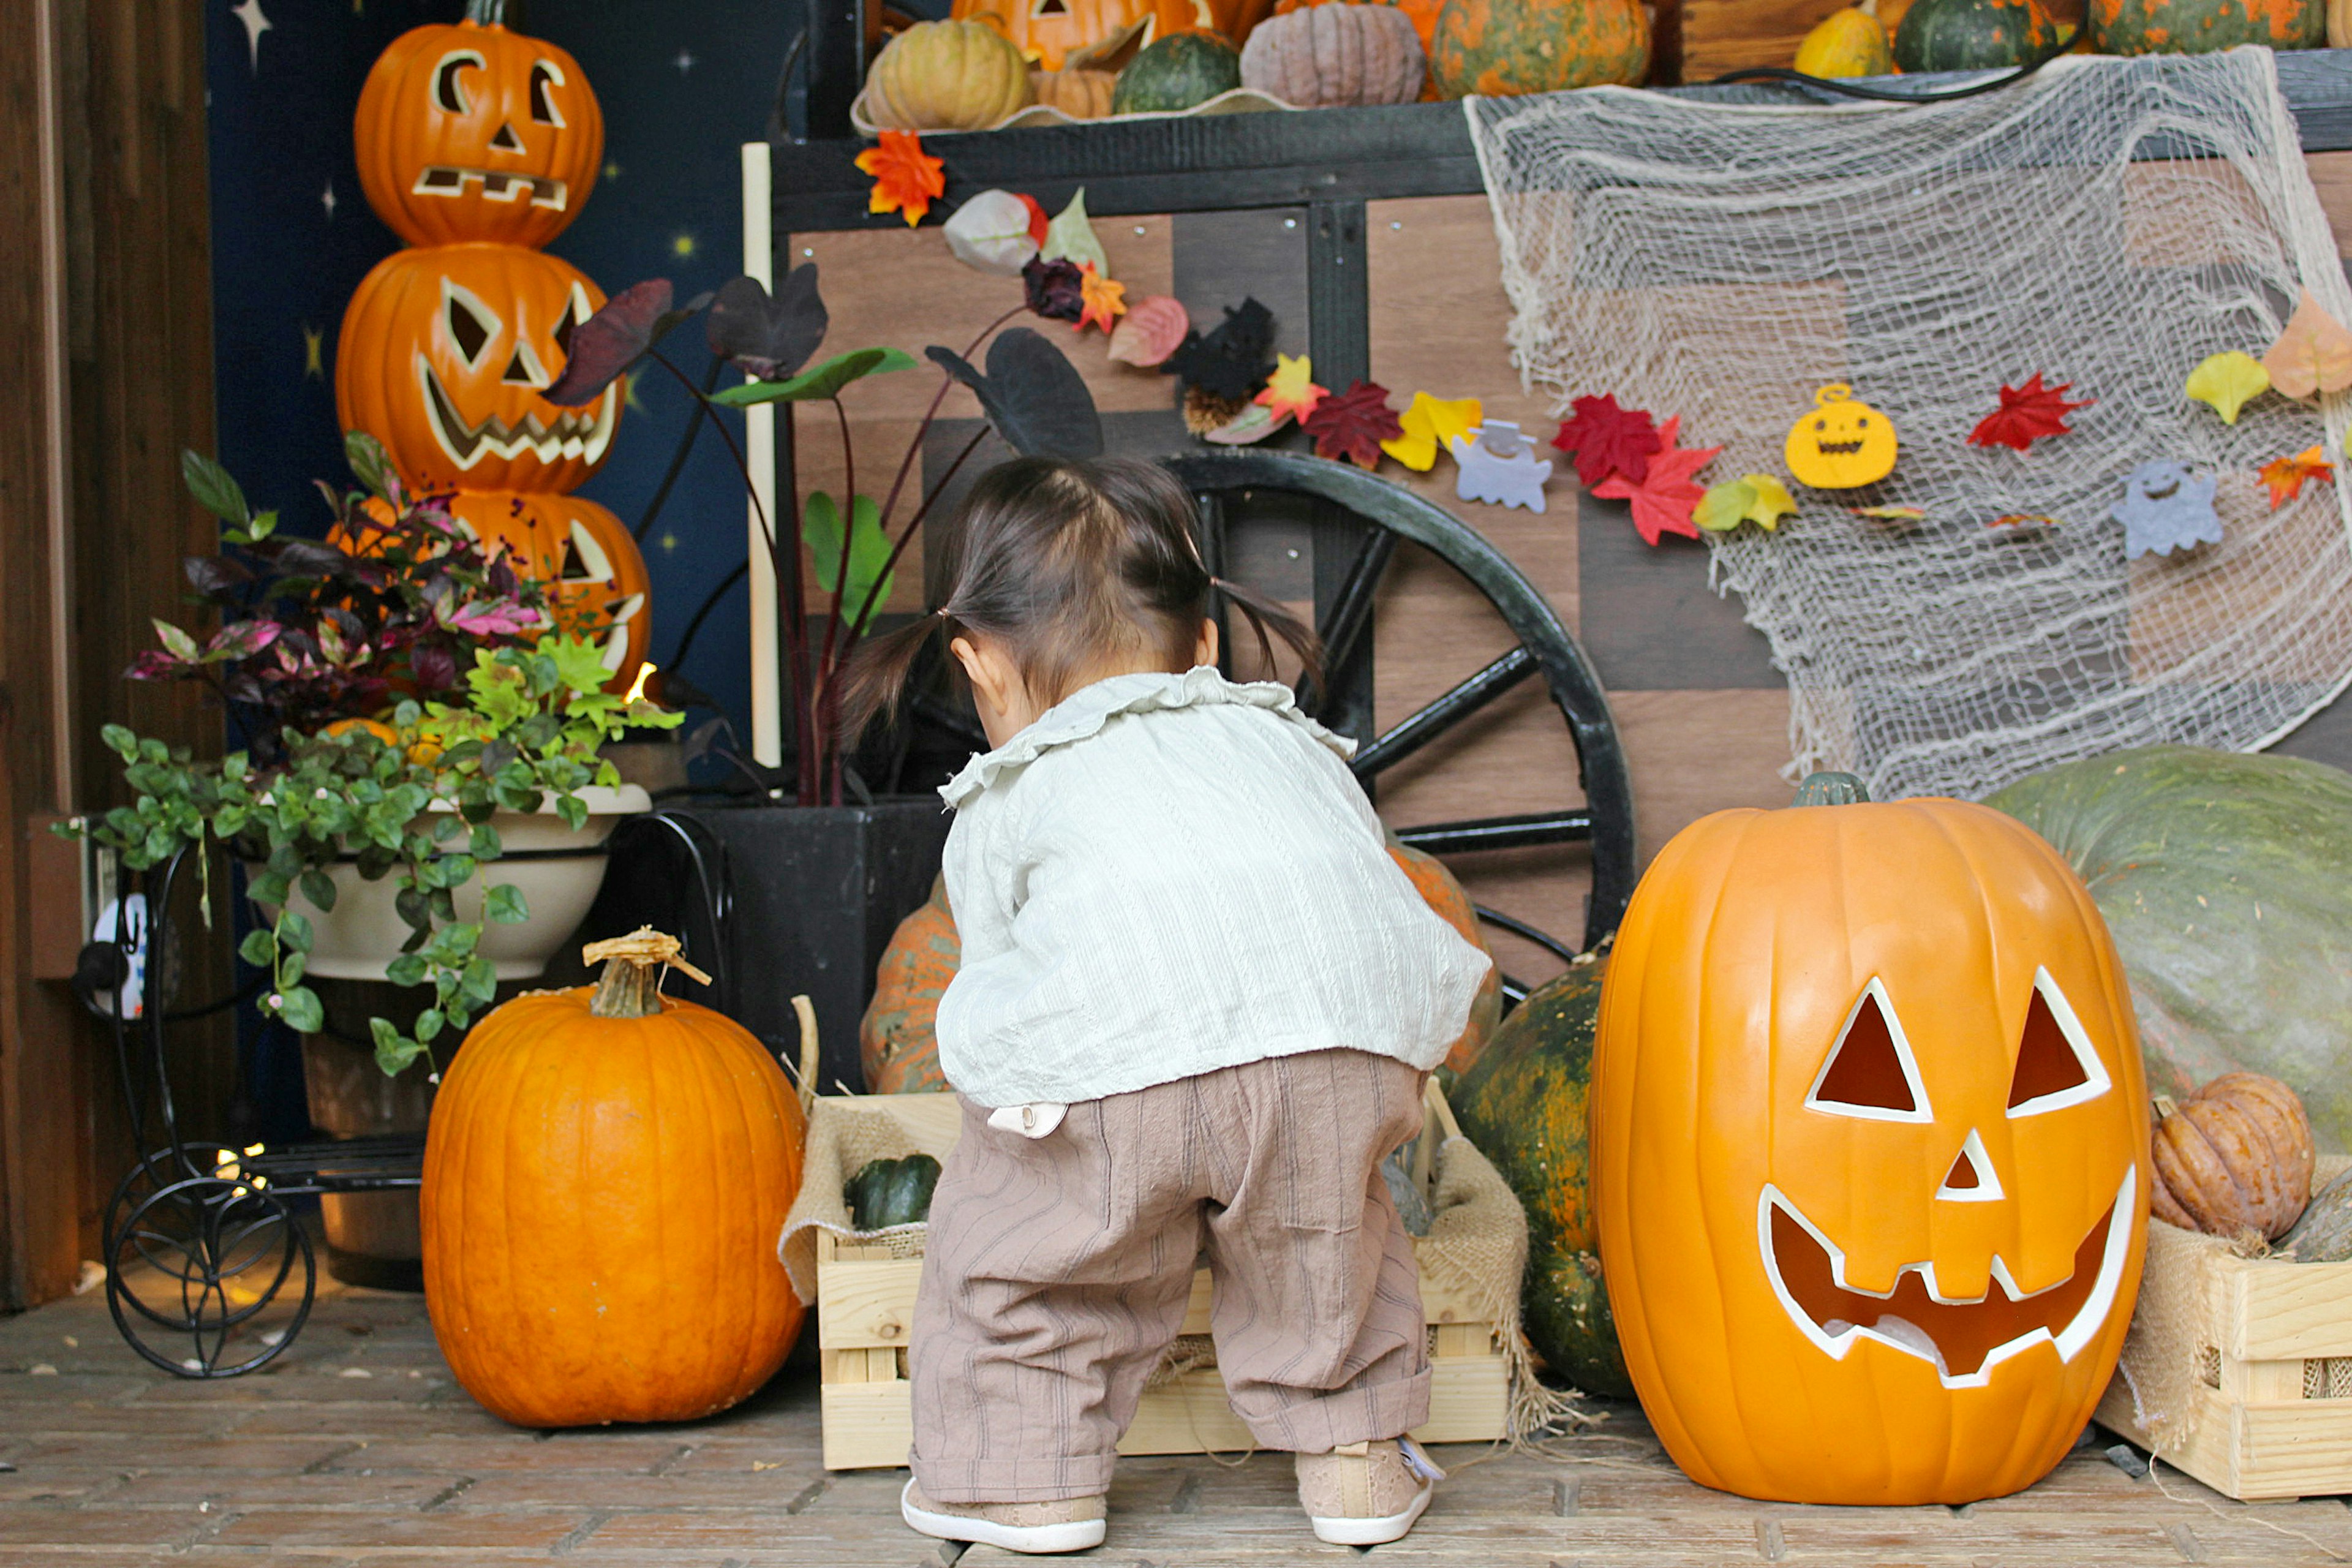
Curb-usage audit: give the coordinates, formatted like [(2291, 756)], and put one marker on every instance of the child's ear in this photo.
[(1204, 646), (994, 679)]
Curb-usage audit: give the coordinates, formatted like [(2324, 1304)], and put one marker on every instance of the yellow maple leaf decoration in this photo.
[(1760, 498), (906, 178), (1429, 427), (2313, 354), (1105, 301), (1772, 502), (2229, 382), (1291, 390)]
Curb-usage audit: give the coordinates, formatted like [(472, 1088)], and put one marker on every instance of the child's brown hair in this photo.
[(1070, 564)]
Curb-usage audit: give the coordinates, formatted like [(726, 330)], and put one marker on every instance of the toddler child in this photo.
[(1197, 1003)]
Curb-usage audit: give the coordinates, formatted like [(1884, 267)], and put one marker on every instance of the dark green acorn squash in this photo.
[(886, 1193), (2227, 881), (1175, 73), (1972, 35), (2200, 26), (1523, 1103)]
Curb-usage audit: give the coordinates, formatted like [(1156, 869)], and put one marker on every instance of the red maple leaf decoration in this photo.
[(1664, 498), (1353, 424), (2027, 414), (1605, 439)]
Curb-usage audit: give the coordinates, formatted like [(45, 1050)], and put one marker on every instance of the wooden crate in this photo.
[(2271, 1416), (866, 1304)]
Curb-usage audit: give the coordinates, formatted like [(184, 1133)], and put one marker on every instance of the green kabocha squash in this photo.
[(1972, 35), (1175, 73), (2227, 883), (2200, 26), (1498, 48), (1523, 1104), (886, 1193)]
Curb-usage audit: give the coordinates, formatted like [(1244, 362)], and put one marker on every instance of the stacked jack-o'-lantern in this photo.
[(478, 145)]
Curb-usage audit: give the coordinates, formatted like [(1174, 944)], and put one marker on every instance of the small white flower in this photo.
[(42, 1368)]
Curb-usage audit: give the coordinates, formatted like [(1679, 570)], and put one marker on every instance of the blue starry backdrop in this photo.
[(682, 87)]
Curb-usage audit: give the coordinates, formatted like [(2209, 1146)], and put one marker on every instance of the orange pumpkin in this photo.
[(443, 357), (900, 1053), (1869, 1152), (471, 132), (1047, 30), (605, 1175), (584, 553)]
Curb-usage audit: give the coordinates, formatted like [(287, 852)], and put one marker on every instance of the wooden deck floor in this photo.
[(357, 1448)]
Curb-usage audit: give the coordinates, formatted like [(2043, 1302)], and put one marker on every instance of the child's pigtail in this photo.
[(1265, 615), (875, 681)]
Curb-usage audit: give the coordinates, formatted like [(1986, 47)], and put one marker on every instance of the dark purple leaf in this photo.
[(242, 688), (309, 558), (1033, 395), (434, 664), (768, 337), (1056, 290), (610, 342), (215, 575)]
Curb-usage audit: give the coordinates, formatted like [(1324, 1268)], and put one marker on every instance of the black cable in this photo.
[(684, 449), (709, 603), (1845, 88)]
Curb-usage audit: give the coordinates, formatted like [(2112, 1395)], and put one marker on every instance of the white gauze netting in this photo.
[(2108, 223)]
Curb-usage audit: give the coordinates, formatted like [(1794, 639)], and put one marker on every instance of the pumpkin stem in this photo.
[(1868, 8), (1831, 789), (635, 965), (487, 12)]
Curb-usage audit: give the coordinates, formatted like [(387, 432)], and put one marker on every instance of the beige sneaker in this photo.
[(1071, 1525), (1366, 1493)]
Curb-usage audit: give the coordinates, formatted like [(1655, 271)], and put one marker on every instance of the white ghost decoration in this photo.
[(1499, 465)]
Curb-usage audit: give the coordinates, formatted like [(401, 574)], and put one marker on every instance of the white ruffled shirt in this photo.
[(1169, 874)]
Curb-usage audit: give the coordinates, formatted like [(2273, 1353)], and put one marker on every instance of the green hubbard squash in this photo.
[(886, 1193), (1499, 47), (946, 76), (1523, 1103), (1972, 35), (2227, 883), (1175, 73), (2202, 27)]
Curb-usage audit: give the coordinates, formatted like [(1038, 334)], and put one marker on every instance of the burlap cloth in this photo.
[(1476, 1245), (2164, 1357)]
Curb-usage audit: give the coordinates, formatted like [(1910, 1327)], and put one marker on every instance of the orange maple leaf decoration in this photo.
[(2287, 476), (1291, 390), (906, 178), (1105, 301)]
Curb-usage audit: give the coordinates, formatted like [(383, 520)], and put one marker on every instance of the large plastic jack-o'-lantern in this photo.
[(472, 132), (444, 355), (585, 554), (1870, 1151)]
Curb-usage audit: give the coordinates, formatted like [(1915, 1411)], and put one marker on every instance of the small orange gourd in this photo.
[(468, 132), (1869, 1151), (605, 1177)]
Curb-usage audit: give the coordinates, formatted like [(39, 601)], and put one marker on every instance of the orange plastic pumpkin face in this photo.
[(1870, 1153), (1046, 30), (471, 132), (443, 357), (587, 557)]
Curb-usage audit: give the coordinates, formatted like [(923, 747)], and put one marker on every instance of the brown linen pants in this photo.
[(1059, 1270)]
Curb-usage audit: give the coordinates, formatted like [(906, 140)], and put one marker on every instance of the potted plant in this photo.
[(873, 859)]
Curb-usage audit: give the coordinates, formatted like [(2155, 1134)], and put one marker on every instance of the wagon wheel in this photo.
[(195, 1269)]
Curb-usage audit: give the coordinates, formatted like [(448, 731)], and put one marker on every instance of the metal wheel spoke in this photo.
[(1416, 730), (1521, 928), (1351, 612), (1500, 832)]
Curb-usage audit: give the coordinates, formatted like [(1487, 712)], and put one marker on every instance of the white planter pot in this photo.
[(557, 869)]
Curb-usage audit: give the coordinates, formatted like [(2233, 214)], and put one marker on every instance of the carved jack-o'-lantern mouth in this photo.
[(583, 433), (497, 185), (1963, 1338)]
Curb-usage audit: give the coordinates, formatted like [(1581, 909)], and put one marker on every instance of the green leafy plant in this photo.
[(408, 790)]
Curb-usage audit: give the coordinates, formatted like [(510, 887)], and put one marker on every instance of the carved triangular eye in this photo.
[(1871, 1072), (471, 323), (2056, 1066), (1972, 1179)]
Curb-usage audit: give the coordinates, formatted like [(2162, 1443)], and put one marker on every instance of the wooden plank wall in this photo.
[(128, 375), (1703, 714)]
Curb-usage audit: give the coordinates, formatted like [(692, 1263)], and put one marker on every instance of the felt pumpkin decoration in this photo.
[(1498, 48), (2236, 1158), (472, 132), (1333, 55), (1869, 1151), (605, 1175), (947, 76), (1077, 92), (1842, 444), (1045, 31), (443, 357), (585, 554)]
